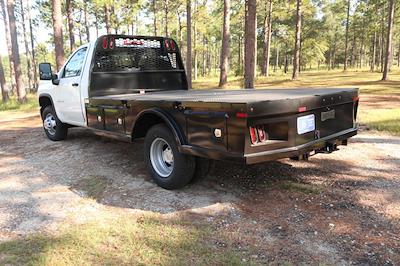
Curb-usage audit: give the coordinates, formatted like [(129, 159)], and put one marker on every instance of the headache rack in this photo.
[(125, 64)]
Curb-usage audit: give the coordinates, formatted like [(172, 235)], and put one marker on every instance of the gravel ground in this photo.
[(342, 208)]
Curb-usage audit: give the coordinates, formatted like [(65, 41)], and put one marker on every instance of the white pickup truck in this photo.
[(133, 87)]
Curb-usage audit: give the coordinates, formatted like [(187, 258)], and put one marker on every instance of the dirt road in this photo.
[(342, 208)]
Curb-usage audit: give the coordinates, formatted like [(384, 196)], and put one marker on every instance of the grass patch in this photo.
[(387, 120), (123, 241), (12, 104), (93, 186), (300, 187)]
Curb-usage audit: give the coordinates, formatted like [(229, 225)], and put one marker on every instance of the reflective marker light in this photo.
[(172, 43), (241, 115), (166, 44), (111, 43), (302, 109)]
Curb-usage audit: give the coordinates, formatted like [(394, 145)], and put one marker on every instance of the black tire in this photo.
[(60, 131), (182, 167)]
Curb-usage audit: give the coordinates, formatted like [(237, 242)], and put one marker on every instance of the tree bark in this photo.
[(70, 21), (154, 17), (189, 43), (86, 22), (389, 40), (250, 44), (373, 53), (225, 51), (166, 17), (347, 36), (26, 43), (3, 84), (58, 34), (107, 18), (35, 77), (296, 60), (9, 50), (21, 93), (267, 39)]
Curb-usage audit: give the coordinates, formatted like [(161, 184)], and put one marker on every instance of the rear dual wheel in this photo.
[(169, 168)]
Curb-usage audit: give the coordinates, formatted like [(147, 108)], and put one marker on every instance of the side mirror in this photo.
[(54, 79), (45, 72)]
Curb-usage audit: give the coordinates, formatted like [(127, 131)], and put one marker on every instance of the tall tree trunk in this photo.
[(21, 93), (276, 59), (373, 53), (70, 20), (267, 39), (225, 51), (35, 77), (296, 60), (398, 55), (389, 40), (58, 34), (8, 40), (382, 50), (250, 44), (26, 43), (107, 18), (166, 17), (189, 43), (195, 49), (96, 24), (347, 35), (86, 22), (154, 17), (3, 84)]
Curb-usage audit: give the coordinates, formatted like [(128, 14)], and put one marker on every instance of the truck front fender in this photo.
[(150, 117)]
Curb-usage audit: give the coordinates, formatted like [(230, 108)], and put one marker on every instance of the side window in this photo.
[(74, 65)]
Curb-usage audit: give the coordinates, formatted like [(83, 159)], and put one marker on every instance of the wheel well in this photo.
[(44, 101), (144, 123)]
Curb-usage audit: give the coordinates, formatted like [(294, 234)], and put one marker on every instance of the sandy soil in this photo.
[(342, 208)]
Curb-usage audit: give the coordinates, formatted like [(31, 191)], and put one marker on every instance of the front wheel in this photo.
[(169, 168), (53, 127)]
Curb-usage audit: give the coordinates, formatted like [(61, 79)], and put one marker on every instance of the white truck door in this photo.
[(68, 90)]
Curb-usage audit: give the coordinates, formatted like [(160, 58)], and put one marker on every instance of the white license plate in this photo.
[(305, 124)]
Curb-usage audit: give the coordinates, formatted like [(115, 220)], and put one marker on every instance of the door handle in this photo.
[(75, 84)]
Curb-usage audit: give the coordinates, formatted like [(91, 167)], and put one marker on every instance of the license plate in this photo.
[(327, 115), (305, 124)]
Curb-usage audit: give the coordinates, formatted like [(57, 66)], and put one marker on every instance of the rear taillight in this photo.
[(258, 134), (253, 135)]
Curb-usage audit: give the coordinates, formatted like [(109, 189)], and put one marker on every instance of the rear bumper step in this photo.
[(331, 141), (327, 144)]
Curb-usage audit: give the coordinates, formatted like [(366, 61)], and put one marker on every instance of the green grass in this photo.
[(292, 186), (387, 120), (121, 241), (13, 105)]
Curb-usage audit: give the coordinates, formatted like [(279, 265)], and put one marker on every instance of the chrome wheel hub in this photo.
[(161, 157), (49, 124)]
